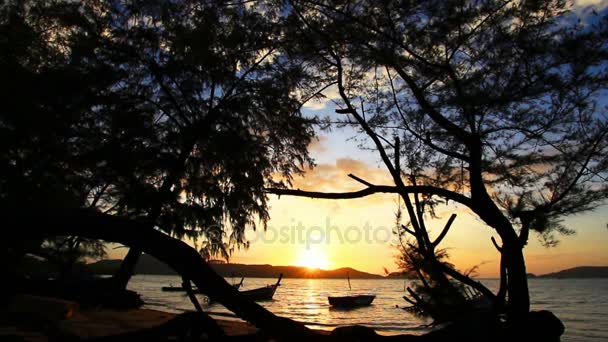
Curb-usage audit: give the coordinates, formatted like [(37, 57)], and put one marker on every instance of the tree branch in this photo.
[(466, 280), (496, 244), (462, 100), (441, 120), (445, 230), (580, 173), (407, 127), (408, 230), (364, 182), (375, 189)]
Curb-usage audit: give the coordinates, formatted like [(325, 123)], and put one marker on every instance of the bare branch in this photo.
[(397, 155), (376, 189), (343, 111), (316, 92), (432, 112), (572, 184), (466, 280), (409, 301), (98, 196), (364, 182), (408, 230), (427, 141), (445, 230), (496, 244)]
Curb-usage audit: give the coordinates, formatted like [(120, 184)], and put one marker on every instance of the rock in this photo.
[(544, 326), (354, 333)]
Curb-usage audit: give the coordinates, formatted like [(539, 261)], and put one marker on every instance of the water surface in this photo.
[(582, 304)]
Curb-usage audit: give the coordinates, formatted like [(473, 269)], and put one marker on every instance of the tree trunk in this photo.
[(518, 304), (127, 268), (512, 251), (517, 281)]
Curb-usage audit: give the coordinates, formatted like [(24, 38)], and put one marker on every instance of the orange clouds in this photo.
[(334, 177), (318, 145)]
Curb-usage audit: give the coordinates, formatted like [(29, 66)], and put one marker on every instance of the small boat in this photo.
[(182, 289), (262, 293), (174, 289), (351, 301)]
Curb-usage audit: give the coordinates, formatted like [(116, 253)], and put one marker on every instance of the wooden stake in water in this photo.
[(348, 278)]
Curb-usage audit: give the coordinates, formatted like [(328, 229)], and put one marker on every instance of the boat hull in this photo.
[(351, 301), (173, 289), (260, 294), (182, 289)]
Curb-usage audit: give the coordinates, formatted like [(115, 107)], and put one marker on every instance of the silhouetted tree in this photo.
[(47, 95), (498, 101), (197, 115)]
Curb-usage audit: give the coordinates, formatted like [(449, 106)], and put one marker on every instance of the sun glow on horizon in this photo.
[(313, 259)]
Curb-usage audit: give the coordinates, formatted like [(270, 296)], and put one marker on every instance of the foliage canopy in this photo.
[(176, 112)]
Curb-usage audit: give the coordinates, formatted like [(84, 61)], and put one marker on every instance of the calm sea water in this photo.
[(582, 304)]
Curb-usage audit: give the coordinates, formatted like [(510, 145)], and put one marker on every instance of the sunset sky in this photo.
[(357, 233)]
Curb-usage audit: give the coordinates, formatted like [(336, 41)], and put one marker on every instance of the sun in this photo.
[(313, 258)]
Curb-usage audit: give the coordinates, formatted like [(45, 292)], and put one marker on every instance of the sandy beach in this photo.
[(97, 323), (34, 322)]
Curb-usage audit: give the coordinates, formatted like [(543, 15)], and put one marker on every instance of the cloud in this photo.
[(316, 104), (584, 9), (595, 3), (318, 145), (334, 177), (330, 94)]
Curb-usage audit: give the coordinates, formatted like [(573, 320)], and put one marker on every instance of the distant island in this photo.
[(150, 265), (579, 272)]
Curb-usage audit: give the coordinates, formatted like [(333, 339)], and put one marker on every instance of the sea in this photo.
[(581, 304)]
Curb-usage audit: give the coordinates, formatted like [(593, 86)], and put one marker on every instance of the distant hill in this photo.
[(401, 275), (269, 271), (580, 272), (149, 265)]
